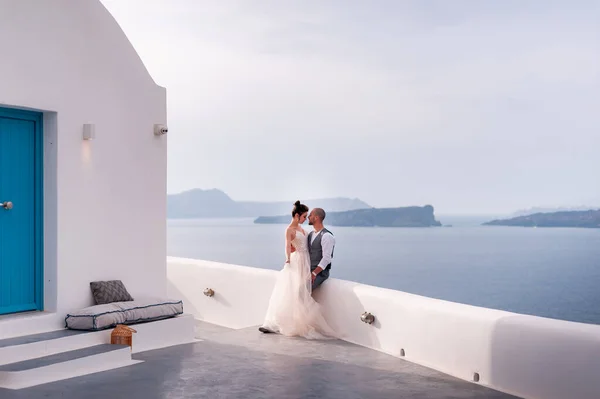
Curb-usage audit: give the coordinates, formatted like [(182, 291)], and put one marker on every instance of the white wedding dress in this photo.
[(292, 310)]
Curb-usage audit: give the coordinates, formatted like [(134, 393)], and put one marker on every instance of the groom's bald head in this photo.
[(320, 213), (316, 217)]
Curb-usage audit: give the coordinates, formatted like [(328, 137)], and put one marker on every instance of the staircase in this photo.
[(36, 359)]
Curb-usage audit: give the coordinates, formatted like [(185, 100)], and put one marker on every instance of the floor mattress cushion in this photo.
[(100, 317)]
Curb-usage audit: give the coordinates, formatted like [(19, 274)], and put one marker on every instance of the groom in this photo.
[(320, 247)]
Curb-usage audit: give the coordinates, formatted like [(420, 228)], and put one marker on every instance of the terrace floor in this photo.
[(247, 364)]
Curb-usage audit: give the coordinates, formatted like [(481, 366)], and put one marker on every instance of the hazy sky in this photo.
[(470, 106)]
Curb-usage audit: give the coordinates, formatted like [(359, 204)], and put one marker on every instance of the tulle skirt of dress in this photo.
[(292, 310)]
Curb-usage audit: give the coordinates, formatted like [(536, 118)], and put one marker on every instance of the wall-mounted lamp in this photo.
[(89, 131), (209, 292), (367, 317), (160, 130)]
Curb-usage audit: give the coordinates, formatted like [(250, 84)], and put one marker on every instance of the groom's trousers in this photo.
[(324, 275)]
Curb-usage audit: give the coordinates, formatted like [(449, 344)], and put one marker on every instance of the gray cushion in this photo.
[(109, 291), (100, 317)]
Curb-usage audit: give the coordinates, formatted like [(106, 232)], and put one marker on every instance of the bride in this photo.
[(292, 310)]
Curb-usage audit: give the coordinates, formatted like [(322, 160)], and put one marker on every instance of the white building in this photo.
[(82, 210)]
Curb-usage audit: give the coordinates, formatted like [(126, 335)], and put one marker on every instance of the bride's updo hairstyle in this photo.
[(299, 209)]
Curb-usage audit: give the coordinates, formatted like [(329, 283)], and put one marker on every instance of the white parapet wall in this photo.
[(528, 356), (241, 294)]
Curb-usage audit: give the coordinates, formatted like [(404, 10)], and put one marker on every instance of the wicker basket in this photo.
[(122, 335)]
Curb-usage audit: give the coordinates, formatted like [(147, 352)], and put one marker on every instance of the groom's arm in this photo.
[(327, 242)]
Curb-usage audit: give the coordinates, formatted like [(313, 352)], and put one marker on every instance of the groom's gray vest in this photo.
[(316, 250)]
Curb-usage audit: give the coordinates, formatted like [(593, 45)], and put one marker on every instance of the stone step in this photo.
[(64, 365), (33, 338), (33, 346), (51, 356)]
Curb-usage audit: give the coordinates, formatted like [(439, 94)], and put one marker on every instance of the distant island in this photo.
[(198, 203), (413, 216), (534, 210), (588, 219)]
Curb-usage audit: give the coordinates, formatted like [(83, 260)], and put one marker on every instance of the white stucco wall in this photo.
[(105, 200), (527, 356)]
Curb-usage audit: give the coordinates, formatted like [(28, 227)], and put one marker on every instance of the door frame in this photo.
[(37, 118)]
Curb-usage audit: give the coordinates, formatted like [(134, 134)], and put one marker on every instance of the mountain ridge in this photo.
[(215, 203)]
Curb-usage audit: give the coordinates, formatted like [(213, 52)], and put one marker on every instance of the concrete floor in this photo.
[(248, 364)]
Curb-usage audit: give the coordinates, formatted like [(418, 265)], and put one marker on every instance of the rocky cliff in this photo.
[(589, 219), (413, 216)]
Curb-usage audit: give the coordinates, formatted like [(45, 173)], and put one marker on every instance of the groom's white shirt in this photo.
[(327, 243)]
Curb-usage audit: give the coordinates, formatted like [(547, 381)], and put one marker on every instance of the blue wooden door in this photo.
[(20, 211)]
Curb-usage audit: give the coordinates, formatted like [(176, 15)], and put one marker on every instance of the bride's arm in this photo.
[(288, 244)]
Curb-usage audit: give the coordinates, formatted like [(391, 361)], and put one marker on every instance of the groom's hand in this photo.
[(293, 249)]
